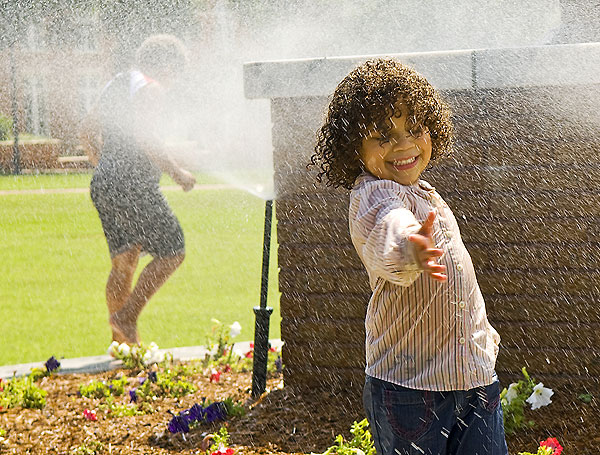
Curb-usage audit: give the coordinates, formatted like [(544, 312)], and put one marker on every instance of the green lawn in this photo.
[(55, 263)]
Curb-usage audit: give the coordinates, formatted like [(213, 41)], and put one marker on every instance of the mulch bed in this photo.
[(280, 422)]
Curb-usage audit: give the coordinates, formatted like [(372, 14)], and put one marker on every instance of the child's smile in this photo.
[(396, 154)]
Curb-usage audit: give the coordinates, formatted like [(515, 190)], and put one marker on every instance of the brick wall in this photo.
[(524, 186)]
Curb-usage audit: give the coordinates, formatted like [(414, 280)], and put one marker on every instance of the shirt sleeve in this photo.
[(381, 228)]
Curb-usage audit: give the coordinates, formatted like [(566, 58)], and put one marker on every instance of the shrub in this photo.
[(6, 125)]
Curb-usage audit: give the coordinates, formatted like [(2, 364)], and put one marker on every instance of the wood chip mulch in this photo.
[(280, 422)]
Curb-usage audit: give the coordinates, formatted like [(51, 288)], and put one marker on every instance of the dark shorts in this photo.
[(141, 217), (413, 422)]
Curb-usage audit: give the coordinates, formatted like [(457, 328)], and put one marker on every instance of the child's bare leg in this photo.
[(118, 286), (154, 275)]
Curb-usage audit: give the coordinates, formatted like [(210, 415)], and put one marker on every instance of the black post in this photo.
[(263, 314), (15, 111)]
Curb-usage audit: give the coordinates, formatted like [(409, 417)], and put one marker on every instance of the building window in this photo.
[(36, 113), (86, 31), (89, 89), (35, 37)]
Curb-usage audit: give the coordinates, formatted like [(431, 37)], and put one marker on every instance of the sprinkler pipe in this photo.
[(263, 313)]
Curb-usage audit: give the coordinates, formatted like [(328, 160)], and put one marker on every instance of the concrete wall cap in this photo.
[(563, 64)]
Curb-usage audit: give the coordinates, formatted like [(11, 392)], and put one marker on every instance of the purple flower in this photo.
[(142, 380), (178, 425), (215, 411), (278, 364), (133, 396), (152, 376), (52, 364), (196, 413)]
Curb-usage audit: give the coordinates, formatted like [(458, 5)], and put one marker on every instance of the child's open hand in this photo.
[(425, 251)]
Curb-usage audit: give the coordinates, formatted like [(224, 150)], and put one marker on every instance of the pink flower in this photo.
[(552, 443), (215, 375), (90, 415)]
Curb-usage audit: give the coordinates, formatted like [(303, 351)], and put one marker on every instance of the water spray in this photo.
[(263, 313), (15, 111)]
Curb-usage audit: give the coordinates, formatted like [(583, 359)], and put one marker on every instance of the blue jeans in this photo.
[(406, 421)]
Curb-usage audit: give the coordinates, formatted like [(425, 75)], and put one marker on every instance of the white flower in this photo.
[(540, 396), (152, 355), (124, 349), (235, 329), (113, 349), (511, 393)]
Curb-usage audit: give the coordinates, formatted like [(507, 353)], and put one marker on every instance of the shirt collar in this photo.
[(419, 185)]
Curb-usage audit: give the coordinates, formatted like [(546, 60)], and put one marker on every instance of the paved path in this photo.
[(99, 363), (215, 186)]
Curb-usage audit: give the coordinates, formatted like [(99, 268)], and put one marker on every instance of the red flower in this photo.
[(215, 376), (1, 386), (90, 415), (224, 451), (272, 350), (553, 444), (249, 354), (227, 369)]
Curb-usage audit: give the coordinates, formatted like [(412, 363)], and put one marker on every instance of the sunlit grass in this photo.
[(73, 180), (55, 263)]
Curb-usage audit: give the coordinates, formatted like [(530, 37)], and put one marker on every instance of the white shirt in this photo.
[(420, 333)]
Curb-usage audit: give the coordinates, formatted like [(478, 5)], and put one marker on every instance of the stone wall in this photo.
[(524, 185)]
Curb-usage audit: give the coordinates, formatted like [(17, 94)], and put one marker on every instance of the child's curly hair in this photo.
[(367, 96)]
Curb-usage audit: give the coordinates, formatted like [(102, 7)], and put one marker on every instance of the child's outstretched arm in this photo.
[(425, 253)]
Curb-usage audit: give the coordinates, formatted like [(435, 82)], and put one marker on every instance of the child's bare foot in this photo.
[(122, 331)]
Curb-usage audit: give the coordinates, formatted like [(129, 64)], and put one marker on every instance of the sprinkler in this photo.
[(263, 314)]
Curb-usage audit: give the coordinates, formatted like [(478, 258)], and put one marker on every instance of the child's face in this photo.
[(396, 154)]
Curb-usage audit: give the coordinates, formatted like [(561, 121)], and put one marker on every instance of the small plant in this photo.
[(219, 342), (222, 358), (586, 397), (548, 447), (21, 392), (103, 389), (89, 448), (220, 441), (513, 401), (233, 409), (360, 444), (137, 356), (119, 410), (50, 366), (170, 383)]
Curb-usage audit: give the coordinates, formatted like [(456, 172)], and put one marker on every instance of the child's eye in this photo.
[(382, 138)]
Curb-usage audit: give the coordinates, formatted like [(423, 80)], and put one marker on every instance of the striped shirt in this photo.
[(420, 333)]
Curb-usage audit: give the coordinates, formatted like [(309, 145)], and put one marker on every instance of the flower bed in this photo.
[(279, 423), (157, 406)]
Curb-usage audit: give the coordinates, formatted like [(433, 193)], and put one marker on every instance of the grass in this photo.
[(54, 181), (55, 263)]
